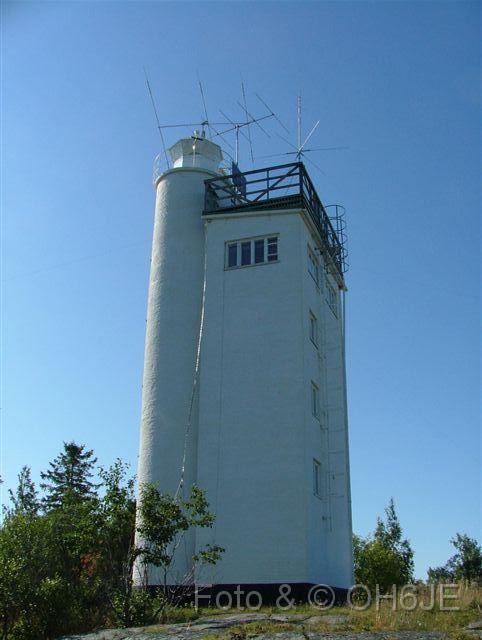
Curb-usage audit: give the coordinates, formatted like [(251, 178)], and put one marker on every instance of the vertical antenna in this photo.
[(206, 122), (237, 143), (204, 105), (157, 117), (299, 120)]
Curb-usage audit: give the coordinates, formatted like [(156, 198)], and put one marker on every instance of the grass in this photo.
[(251, 629), (381, 618)]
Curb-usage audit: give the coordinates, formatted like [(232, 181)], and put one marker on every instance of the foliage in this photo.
[(69, 478), (66, 560), (25, 499), (163, 523), (465, 564), (385, 558)]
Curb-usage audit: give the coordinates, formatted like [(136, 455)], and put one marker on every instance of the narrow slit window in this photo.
[(315, 400), (331, 298), (313, 329), (313, 266), (317, 487)]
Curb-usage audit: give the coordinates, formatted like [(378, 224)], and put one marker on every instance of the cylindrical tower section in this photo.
[(173, 325)]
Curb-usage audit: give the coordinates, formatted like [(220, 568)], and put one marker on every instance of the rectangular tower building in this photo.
[(268, 440)]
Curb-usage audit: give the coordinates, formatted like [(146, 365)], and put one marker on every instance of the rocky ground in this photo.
[(267, 627)]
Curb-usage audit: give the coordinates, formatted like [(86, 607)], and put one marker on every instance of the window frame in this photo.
[(269, 241), (317, 479), (313, 320), (313, 261), (315, 400), (229, 246), (331, 298)]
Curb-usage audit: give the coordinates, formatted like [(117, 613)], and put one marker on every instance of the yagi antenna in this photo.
[(225, 127), (207, 122), (248, 129), (237, 128), (157, 117), (272, 113)]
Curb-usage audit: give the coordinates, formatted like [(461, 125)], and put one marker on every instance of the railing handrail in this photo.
[(303, 189), (247, 173)]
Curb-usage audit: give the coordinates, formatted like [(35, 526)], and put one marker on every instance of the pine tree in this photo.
[(25, 499), (68, 481)]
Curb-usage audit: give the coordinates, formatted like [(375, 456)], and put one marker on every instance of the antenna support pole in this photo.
[(299, 121), (237, 143)]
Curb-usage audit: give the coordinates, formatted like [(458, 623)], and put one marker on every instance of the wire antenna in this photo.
[(159, 128)]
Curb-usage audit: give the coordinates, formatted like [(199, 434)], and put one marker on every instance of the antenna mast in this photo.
[(300, 150), (159, 128), (299, 120)]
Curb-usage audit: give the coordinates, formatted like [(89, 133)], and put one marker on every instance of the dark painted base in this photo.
[(251, 596)]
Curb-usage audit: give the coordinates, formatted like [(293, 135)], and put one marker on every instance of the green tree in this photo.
[(384, 558), (68, 567), (29, 558), (389, 534), (163, 523), (69, 478), (118, 515), (465, 564), (25, 498)]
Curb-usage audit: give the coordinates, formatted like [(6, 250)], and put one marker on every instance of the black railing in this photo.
[(281, 187)]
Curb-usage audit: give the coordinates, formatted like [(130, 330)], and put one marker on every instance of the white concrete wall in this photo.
[(329, 517), (173, 314), (250, 455), (257, 436), (339, 539), (253, 437)]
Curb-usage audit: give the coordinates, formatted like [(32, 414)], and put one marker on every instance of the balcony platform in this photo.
[(286, 186)]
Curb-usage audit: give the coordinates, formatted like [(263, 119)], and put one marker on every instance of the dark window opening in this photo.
[(245, 253), (259, 251), (232, 255)]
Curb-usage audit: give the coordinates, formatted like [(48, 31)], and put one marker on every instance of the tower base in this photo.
[(253, 596)]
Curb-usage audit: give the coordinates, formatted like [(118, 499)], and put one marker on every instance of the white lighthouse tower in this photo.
[(257, 256)]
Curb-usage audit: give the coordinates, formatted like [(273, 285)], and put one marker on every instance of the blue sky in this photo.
[(396, 82)]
